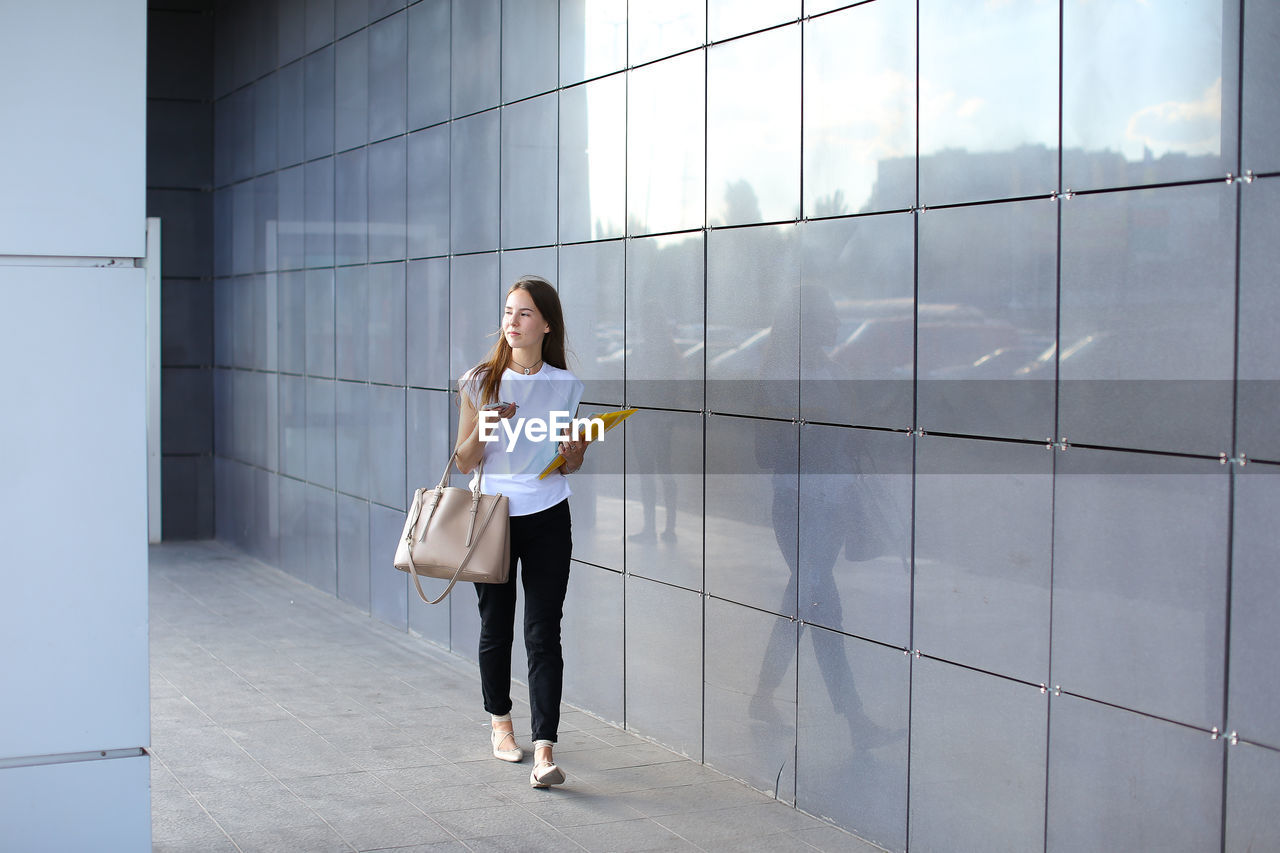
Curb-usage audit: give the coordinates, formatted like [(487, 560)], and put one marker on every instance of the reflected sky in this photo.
[(726, 18), (1142, 80), (753, 129), (665, 150), (859, 105), (988, 74), (1143, 76), (658, 28)]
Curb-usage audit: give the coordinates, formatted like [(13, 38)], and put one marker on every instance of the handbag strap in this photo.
[(413, 570), (448, 471), (435, 499)]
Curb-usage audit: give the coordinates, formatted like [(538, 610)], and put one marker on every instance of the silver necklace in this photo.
[(529, 368)]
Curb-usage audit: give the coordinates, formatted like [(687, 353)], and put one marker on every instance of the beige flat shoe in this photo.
[(514, 753), (545, 773)]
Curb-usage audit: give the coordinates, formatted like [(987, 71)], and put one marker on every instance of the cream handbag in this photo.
[(455, 534)]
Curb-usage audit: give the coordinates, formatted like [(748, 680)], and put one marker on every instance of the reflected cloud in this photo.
[(1185, 127)]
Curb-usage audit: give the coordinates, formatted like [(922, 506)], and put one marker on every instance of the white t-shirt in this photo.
[(511, 467)]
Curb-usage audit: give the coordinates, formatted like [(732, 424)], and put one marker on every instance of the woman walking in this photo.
[(525, 375)]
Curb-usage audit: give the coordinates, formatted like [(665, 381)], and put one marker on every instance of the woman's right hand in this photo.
[(505, 411)]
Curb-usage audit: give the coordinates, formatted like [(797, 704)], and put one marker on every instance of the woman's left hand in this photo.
[(572, 451)]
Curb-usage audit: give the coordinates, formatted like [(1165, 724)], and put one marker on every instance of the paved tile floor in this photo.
[(286, 720)]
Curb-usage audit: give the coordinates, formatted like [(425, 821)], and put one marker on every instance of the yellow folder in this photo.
[(611, 420)]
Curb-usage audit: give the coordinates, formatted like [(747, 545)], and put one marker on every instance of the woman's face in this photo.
[(524, 326)]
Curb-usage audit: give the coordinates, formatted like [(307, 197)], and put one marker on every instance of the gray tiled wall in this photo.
[(954, 330), (180, 176)]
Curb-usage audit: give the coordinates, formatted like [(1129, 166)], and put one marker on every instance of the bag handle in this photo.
[(417, 509)]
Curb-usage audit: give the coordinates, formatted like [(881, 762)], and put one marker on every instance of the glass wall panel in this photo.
[(851, 754), (387, 446), (530, 29), (289, 115), (318, 192), (351, 323), (473, 163), (388, 176), (291, 30), (751, 511), (751, 86), (265, 104), (753, 339), (860, 109), (318, 86), (750, 695), (666, 130), (293, 526), (293, 425), (1258, 359), (1146, 332), (593, 164), (427, 324), (664, 493), (322, 539), (387, 319), (388, 588), (351, 434), (664, 682), (321, 447), (1150, 109), (475, 311), (1260, 151), (476, 54), (986, 133), (987, 319), (591, 291), (665, 342), (427, 207), (727, 18), (349, 16), (291, 219), (977, 761), (540, 262), (1145, 784), (351, 207), (1254, 689), (983, 530), (351, 91), (1139, 564), (855, 532), (529, 149), (593, 633), (388, 77), (659, 28), (593, 39), (1253, 786), (857, 329), (320, 322), (428, 62), (598, 510)]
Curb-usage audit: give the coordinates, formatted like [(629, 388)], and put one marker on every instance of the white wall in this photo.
[(74, 719), (73, 154)]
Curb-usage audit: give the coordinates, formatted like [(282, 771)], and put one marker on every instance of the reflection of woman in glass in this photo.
[(651, 443), (825, 532), (527, 371)]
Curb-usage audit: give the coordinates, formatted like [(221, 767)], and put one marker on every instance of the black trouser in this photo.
[(542, 543)]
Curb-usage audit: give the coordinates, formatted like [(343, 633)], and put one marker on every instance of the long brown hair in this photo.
[(488, 374)]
